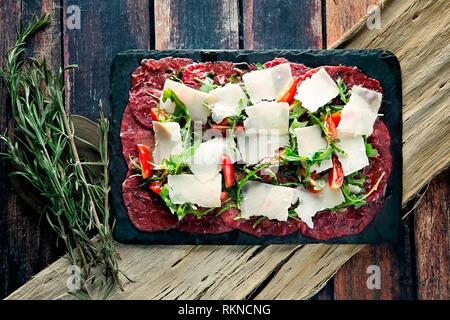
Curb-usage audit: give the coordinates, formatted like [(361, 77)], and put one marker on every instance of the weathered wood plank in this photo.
[(282, 24), (394, 261), (424, 61), (107, 27), (307, 271), (432, 240), (417, 32), (26, 244), (183, 272), (197, 24), (350, 280), (342, 15)]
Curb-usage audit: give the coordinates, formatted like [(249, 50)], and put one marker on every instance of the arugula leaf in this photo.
[(356, 200), (371, 152), (239, 116), (258, 220), (251, 174), (343, 92), (207, 84), (234, 78), (181, 111), (175, 78), (356, 179), (259, 66), (165, 196), (297, 110), (329, 139)]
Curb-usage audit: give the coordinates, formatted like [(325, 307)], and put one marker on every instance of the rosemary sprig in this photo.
[(42, 146)]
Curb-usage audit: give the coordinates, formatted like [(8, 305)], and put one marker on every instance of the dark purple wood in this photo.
[(106, 28), (27, 245), (289, 24)]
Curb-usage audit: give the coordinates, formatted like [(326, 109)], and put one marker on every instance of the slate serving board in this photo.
[(379, 64)]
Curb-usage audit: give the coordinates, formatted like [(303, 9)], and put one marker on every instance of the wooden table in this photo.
[(415, 268)]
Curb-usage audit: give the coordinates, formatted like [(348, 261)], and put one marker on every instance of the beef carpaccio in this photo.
[(283, 148)]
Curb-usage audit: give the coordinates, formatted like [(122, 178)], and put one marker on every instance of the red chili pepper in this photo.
[(288, 94), (157, 114), (228, 170), (336, 175), (311, 188), (154, 114), (144, 159), (336, 117), (223, 196), (156, 187), (331, 127)]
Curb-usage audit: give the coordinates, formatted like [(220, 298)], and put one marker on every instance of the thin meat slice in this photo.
[(146, 85), (131, 134), (298, 69), (208, 224), (156, 71), (142, 99), (261, 228), (351, 76), (146, 210), (221, 71)]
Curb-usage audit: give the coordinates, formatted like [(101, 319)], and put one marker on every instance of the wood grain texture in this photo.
[(417, 32), (394, 261), (26, 243), (342, 15), (231, 272), (107, 27), (350, 280), (197, 24), (178, 272), (307, 271), (432, 240), (288, 24)]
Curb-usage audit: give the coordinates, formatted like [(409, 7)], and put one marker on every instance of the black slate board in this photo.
[(379, 64)]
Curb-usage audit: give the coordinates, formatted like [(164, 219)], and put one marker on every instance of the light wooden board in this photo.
[(298, 272)]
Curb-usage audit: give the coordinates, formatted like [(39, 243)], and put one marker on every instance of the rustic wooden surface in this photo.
[(236, 272)]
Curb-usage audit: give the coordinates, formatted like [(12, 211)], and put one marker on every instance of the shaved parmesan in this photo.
[(255, 147), (324, 165), (267, 84), (361, 111), (228, 99), (193, 99), (355, 158), (310, 140), (273, 116), (317, 91), (262, 199), (206, 161), (187, 188), (310, 203), (168, 140)]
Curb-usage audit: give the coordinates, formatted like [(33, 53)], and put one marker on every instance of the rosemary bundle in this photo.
[(43, 148)]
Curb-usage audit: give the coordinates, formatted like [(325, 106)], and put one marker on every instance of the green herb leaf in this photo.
[(356, 179), (343, 92), (371, 152), (297, 110), (259, 66), (207, 85)]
